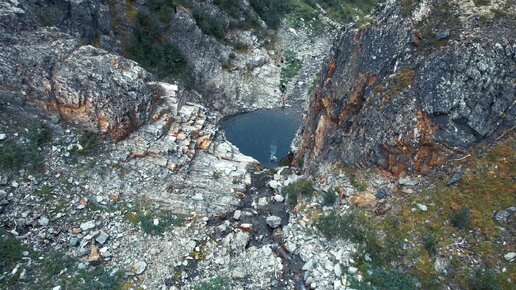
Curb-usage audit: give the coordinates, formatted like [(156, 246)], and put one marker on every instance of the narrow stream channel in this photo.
[(264, 134)]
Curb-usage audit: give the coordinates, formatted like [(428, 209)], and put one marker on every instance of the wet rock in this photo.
[(273, 221)]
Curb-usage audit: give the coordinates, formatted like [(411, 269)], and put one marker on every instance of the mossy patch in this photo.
[(153, 222)]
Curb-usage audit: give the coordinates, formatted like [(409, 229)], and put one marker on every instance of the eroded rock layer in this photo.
[(417, 85)]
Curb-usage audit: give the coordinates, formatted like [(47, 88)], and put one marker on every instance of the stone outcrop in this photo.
[(84, 85), (413, 88)]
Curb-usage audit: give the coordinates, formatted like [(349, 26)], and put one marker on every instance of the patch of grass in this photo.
[(484, 279), (209, 24), (149, 48), (216, 175), (385, 279), (10, 250), (391, 87), (358, 185), (11, 156), (145, 220), (430, 243), (330, 197), (407, 6), (45, 192), (272, 11), (217, 283), (163, 8), (486, 187), (89, 141), (461, 218), (291, 68), (302, 187), (481, 2), (232, 7), (39, 136), (48, 16), (346, 11)]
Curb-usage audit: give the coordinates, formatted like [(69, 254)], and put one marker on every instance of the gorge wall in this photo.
[(423, 81)]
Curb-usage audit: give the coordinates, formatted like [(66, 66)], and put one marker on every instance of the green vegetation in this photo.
[(460, 218), (329, 198), (45, 273), (291, 68), (209, 24), (344, 11), (151, 50), (357, 184), (10, 250), (271, 11), (14, 155), (11, 156), (217, 283), (302, 187), (146, 221), (232, 7), (48, 16), (404, 244), (484, 279), (216, 175), (164, 9), (481, 2)]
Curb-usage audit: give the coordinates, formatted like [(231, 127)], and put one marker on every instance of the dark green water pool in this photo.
[(263, 134)]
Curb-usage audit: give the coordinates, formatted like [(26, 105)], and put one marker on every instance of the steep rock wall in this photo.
[(416, 86)]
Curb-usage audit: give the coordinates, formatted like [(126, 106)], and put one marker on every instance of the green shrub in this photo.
[(292, 191), (164, 9), (360, 186), (460, 219), (272, 11), (484, 279), (330, 197), (232, 7), (39, 136), (291, 68), (48, 16), (10, 250), (150, 50), (217, 283), (384, 279), (481, 2), (430, 244), (209, 24), (145, 221), (11, 156)]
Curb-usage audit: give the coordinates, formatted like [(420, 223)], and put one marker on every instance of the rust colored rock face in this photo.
[(396, 98)]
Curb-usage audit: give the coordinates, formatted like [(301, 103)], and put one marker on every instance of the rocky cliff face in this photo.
[(79, 84), (420, 83)]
